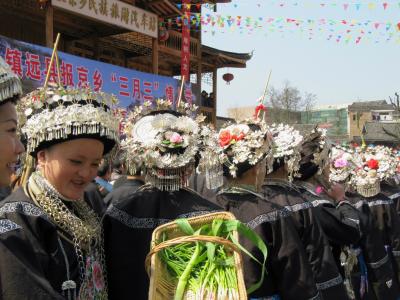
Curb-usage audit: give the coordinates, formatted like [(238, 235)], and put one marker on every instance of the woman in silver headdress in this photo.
[(381, 237), (51, 241), (11, 146), (164, 144), (279, 189), (246, 147)]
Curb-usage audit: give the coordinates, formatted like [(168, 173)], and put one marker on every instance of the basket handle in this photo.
[(188, 239)]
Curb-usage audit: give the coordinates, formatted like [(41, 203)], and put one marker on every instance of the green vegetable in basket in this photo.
[(206, 270)]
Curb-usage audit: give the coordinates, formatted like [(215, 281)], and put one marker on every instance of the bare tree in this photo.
[(396, 104), (309, 101), (288, 100)]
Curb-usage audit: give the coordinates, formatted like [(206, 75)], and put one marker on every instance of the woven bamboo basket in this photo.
[(369, 190), (162, 287)]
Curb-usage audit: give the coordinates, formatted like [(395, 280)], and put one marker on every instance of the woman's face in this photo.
[(10, 144), (70, 166)]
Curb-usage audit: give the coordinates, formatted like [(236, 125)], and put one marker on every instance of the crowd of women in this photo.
[(327, 213)]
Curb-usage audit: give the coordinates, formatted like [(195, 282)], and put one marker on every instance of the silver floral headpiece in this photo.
[(365, 179), (212, 157), (396, 158), (241, 144), (149, 107), (287, 146), (374, 164), (57, 113), (342, 164), (10, 84), (363, 169), (165, 141)]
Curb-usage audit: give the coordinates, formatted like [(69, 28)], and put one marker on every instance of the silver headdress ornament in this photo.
[(342, 164), (165, 142), (211, 157), (287, 146), (10, 84), (241, 144), (56, 113), (374, 164)]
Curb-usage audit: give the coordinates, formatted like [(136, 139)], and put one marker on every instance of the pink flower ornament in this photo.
[(176, 138), (319, 189), (341, 163)]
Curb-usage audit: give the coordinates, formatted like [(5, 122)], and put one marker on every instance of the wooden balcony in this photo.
[(173, 45)]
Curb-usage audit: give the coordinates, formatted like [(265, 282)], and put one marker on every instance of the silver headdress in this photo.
[(56, 113), (374, 164), (10, 84), (287, 146), (244, 144), (342, 164), (165, 142)]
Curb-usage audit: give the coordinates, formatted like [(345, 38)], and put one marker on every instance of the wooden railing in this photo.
[(174, 44), (209, 113)]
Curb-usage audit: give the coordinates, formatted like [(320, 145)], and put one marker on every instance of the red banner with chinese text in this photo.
[(185, 57)]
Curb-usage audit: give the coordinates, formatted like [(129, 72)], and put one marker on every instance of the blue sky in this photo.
[(336, 72)]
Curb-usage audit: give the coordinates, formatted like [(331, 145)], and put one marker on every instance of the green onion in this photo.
[(206, 270)]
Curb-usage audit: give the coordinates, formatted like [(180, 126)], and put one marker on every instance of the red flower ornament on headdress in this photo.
[(225, 138), (373, 164), (259, 108)]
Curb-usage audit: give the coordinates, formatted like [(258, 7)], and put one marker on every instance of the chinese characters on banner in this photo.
[(113, 12), (185, 57), (30, 62)]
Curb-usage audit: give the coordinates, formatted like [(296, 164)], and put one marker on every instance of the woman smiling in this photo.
[(51, 242), (11, 146)]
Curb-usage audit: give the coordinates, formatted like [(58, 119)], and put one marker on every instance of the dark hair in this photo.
[(103, 168), (13, 100), (278, 163), (308, 170), (310, 146), (117, 162), (108, 143)]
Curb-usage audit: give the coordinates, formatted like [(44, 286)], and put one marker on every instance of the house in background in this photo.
[(361, 113), (378, 121), (382, 133)]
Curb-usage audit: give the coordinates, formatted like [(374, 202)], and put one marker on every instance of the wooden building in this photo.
[(360, 113), (37, 22)]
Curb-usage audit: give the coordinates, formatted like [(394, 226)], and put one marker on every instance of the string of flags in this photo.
[(371, 5), (252, 23), (346, 30)]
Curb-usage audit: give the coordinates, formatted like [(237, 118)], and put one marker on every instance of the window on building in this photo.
[(354, 117)]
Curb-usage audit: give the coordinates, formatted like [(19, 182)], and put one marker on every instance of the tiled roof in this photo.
[(379, 131), (370, 105)]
